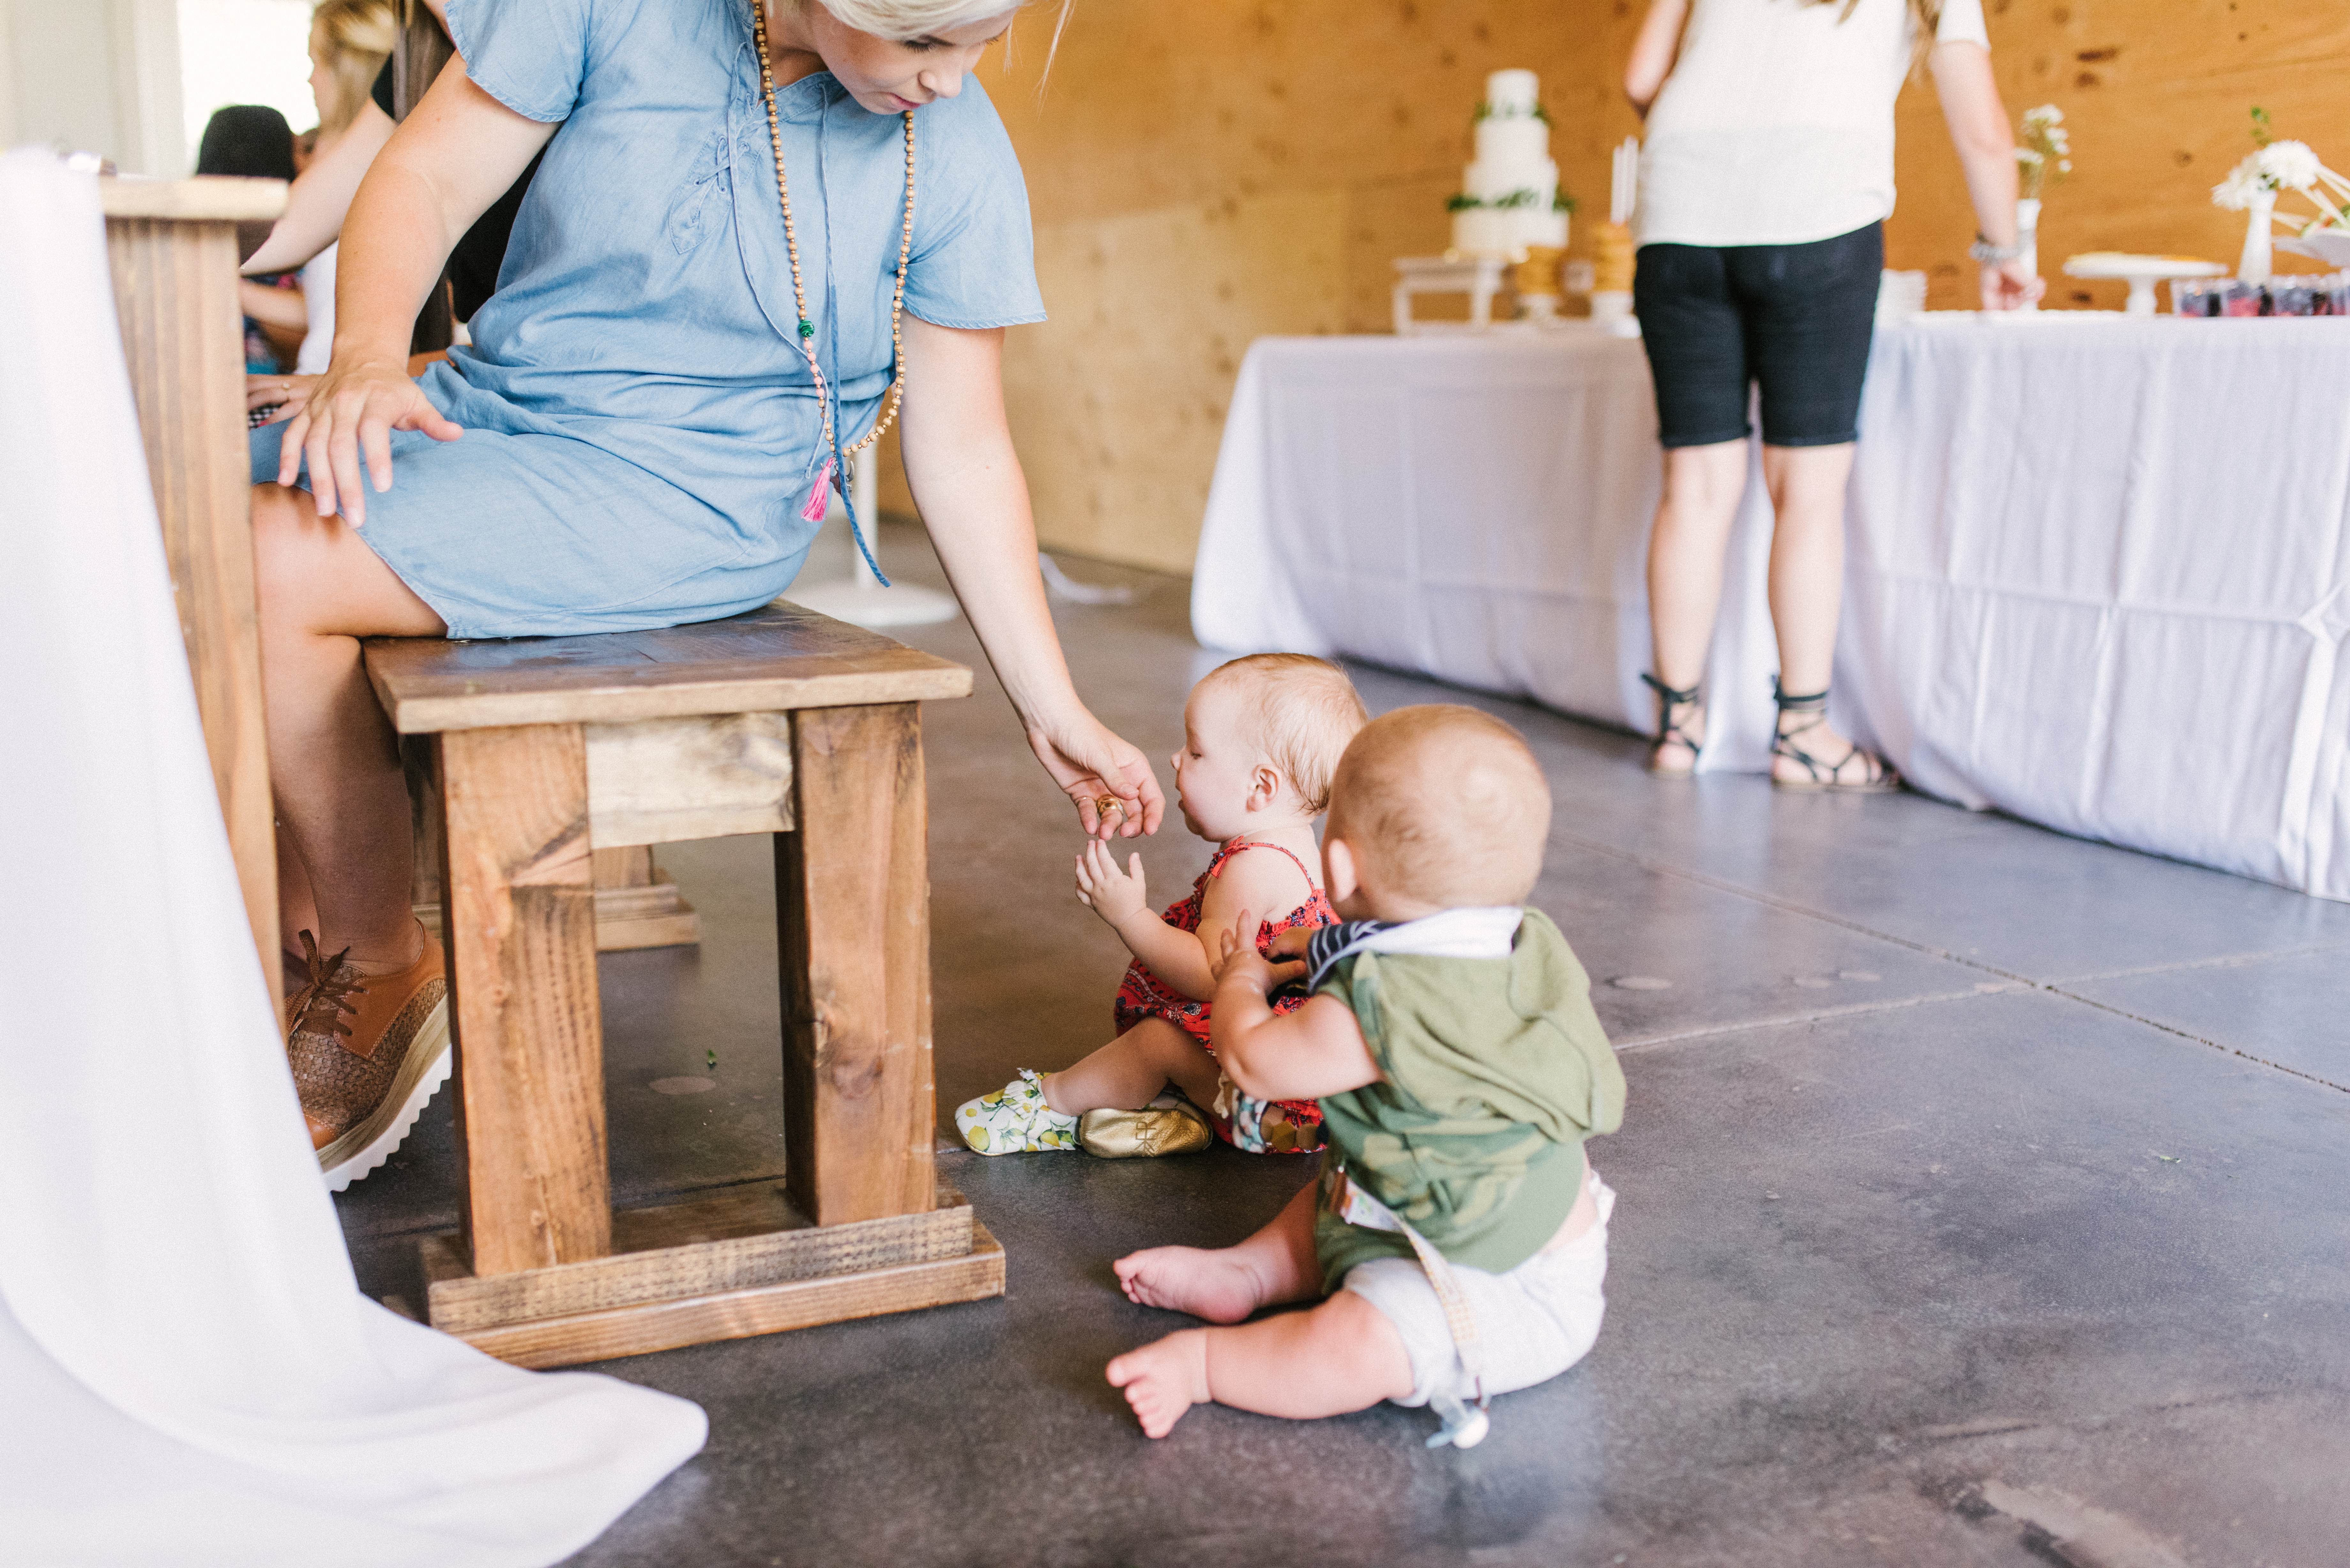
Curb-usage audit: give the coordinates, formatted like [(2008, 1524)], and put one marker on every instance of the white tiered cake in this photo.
[(1511, 200)]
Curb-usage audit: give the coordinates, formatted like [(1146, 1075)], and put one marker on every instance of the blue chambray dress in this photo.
[(641, 431)]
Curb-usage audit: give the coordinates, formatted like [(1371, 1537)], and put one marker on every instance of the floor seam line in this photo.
[(2224, 961), (2189, 1034), (2053, 987), (1665, 868), (1856, 1010)]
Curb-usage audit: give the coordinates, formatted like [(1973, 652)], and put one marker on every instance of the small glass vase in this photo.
[(2027, 236), (2257, 230)]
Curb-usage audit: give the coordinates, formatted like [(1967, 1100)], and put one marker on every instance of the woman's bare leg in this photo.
[(1226, 1284), (1343, 1356), (297, 910), (1129, 1072), (1703, 485), (1807, 491), (333, 760)]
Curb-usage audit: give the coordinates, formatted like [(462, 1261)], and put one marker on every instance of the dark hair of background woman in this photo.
[(247, 138)]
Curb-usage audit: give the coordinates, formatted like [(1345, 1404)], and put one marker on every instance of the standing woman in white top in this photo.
[(1765, 183)]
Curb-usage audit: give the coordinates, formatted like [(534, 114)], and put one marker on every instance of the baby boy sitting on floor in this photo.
[(1457, 1239)]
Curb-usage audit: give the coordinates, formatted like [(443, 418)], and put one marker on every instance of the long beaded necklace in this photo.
[(818, 502)]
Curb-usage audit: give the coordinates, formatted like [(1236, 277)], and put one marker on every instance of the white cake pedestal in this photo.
[(862, 599), (2142, 272)]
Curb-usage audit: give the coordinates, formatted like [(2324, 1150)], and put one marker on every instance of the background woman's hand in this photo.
[(1090, 763), (353, 409), (284, 395), (2007, 287)]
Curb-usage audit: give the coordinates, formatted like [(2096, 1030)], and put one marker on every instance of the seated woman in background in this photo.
[(252, 142), (753, 226), (350, 44)]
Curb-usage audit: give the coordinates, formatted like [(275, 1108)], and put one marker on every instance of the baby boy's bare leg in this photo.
[(1342, 1355), (1224, 1285), (1129, 1072)]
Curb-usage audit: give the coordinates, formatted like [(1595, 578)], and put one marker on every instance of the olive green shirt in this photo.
[(1493, 1073)]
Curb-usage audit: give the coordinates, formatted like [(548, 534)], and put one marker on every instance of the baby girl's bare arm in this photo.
[(1122, 900), (1183, 960)]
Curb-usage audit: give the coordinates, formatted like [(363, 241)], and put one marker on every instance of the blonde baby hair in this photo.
[(355, 38), (1306, 711), (1444, 805)]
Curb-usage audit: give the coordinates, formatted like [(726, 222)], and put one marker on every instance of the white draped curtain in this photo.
[(188, 1372)]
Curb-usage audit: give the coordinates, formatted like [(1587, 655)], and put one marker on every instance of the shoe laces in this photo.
[(319, 1008)]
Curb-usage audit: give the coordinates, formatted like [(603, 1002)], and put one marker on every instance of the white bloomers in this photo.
[(1533, 1323)]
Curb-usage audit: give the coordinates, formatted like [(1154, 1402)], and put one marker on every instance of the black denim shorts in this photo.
[(1796, 318)]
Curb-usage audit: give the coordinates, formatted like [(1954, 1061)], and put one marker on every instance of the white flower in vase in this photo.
[(2244, 185), (2287, 165)]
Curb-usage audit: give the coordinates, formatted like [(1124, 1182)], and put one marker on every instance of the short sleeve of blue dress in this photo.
[(641, 429)]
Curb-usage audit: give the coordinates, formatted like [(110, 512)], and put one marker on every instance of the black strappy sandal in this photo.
[(1822, 775), (1669, 727)]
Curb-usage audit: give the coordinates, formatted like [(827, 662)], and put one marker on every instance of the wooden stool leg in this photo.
[(853, 901), (175, 295), (520, 925)]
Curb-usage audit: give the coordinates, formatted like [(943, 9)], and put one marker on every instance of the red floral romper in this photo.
[(1288, 1127)]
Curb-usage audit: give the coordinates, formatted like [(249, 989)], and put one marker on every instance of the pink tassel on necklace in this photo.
[(819, 499)]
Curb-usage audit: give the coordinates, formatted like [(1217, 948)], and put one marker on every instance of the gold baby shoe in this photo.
[(1168, 1125)]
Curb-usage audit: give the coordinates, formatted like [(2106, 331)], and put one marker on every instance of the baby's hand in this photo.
[(1238, 955), (1115, 896), (1293, 944)]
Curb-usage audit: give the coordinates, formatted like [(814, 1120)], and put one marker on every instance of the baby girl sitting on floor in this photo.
[(1261, 736), (1458, 1238)]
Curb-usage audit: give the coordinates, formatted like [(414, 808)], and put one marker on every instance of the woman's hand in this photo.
[(350, 409), (1115, 896), (2007, 287), (284, 395), (1110, 780)]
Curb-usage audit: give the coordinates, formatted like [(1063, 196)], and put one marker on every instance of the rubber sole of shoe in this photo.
[(358, 1152)]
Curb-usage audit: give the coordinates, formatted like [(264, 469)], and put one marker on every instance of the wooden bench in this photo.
[(545, 750)]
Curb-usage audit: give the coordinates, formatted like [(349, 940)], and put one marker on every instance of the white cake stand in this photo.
[(2142, 272), (863, 599)]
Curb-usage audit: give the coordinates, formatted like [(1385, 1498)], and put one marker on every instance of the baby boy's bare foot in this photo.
[(1186, 1279), (1165, 1379)]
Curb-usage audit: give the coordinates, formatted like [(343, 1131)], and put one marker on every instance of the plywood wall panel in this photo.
[(2158, 96), (1330, 131)]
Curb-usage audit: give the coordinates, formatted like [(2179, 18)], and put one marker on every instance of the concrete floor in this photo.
[(1982, 1202)]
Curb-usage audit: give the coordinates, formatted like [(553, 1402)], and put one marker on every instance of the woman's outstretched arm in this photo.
[(974, 500), (442, 169), (1653, 52), (1978, 122)]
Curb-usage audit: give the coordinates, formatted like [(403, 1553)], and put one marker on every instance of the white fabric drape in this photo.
[(2098, 576), (188, 1373)]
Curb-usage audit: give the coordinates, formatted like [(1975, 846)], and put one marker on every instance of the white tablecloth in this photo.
[(2099, 573)]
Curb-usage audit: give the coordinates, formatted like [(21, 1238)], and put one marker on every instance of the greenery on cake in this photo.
[(1486, 112), (1517, 200)]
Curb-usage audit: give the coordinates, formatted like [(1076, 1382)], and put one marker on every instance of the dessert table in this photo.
[(2098, 576)]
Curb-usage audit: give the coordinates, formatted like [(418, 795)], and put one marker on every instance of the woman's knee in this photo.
[(285, 542), (315, 576)]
